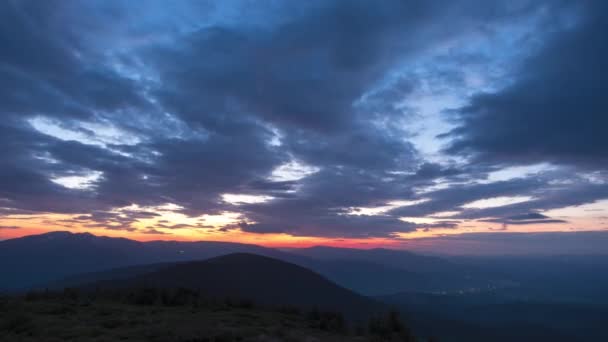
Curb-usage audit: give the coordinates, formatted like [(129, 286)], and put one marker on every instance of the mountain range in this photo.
[(246, 276), (38, 260), (455, 298)]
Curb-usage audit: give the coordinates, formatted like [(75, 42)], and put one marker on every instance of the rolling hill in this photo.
[(262, 279), (39, 259), (397, 259), (43, 260)]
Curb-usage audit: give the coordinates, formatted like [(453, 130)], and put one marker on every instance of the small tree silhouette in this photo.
[(390, 327)]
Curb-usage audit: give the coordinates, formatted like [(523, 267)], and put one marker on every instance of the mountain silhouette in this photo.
[(63, 258), (382, 271), (398, 259), (264, 280), (36, 260)]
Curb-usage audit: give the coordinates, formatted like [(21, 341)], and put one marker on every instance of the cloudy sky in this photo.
[(287, 123)]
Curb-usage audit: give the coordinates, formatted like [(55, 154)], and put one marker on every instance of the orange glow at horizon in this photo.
[(169, 224), (30, 225)]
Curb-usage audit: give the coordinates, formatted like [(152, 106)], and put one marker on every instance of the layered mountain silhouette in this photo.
[(39, 259), (397, 259), (43, 260), (249, 276), (464, 298)]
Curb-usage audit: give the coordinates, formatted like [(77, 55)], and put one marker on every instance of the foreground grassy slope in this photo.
[(67, 318)]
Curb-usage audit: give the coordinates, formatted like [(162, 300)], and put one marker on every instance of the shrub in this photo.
[(33, 295), (145, 296), (390, 327), (112, 323), (18, 323), (245, 304), (289, 310), (71, 294), (327, 320)]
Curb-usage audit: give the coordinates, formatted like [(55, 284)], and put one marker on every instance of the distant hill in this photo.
[(363, 277), (249, 276), (397, 259), (93, 277), (385, 270), (43, 260), (39, 259)]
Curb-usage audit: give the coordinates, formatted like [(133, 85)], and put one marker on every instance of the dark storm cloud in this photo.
[(9, 227), (528, 216), (460, 194), (333, 226), (24, 176), (49, 70), (302, 74), (440, 224), (545, 197), (321, 204), (45, 68), (213, 107), (302, 77), (523, 219), (153, 231), (361, 147), (508, 222), (305, 72), (549, 190), (555, 110)]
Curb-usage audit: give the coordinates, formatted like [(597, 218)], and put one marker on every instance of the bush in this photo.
[(71, 294), (225, 337), (179, 297), (32, 296), (62, 309), (112, 323), (390, 327), (327, 320), (145, 296), (18, 323), (245, 304), (289, 310)]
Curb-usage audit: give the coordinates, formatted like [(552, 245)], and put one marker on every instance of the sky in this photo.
[(402, 124)]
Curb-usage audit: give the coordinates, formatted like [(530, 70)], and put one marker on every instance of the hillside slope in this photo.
[(261, 279), (48, 259), (39, 259)]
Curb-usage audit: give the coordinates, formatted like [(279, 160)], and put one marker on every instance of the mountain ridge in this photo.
[(48, 259), (249, 276)]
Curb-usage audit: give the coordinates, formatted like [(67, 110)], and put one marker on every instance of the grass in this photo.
[(67, 318)]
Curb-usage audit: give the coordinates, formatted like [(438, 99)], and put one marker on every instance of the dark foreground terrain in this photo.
[(472, 298), (178, 315)]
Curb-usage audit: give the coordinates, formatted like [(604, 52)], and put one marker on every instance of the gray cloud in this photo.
[(212, 105), (554, 111), (523, 219)]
